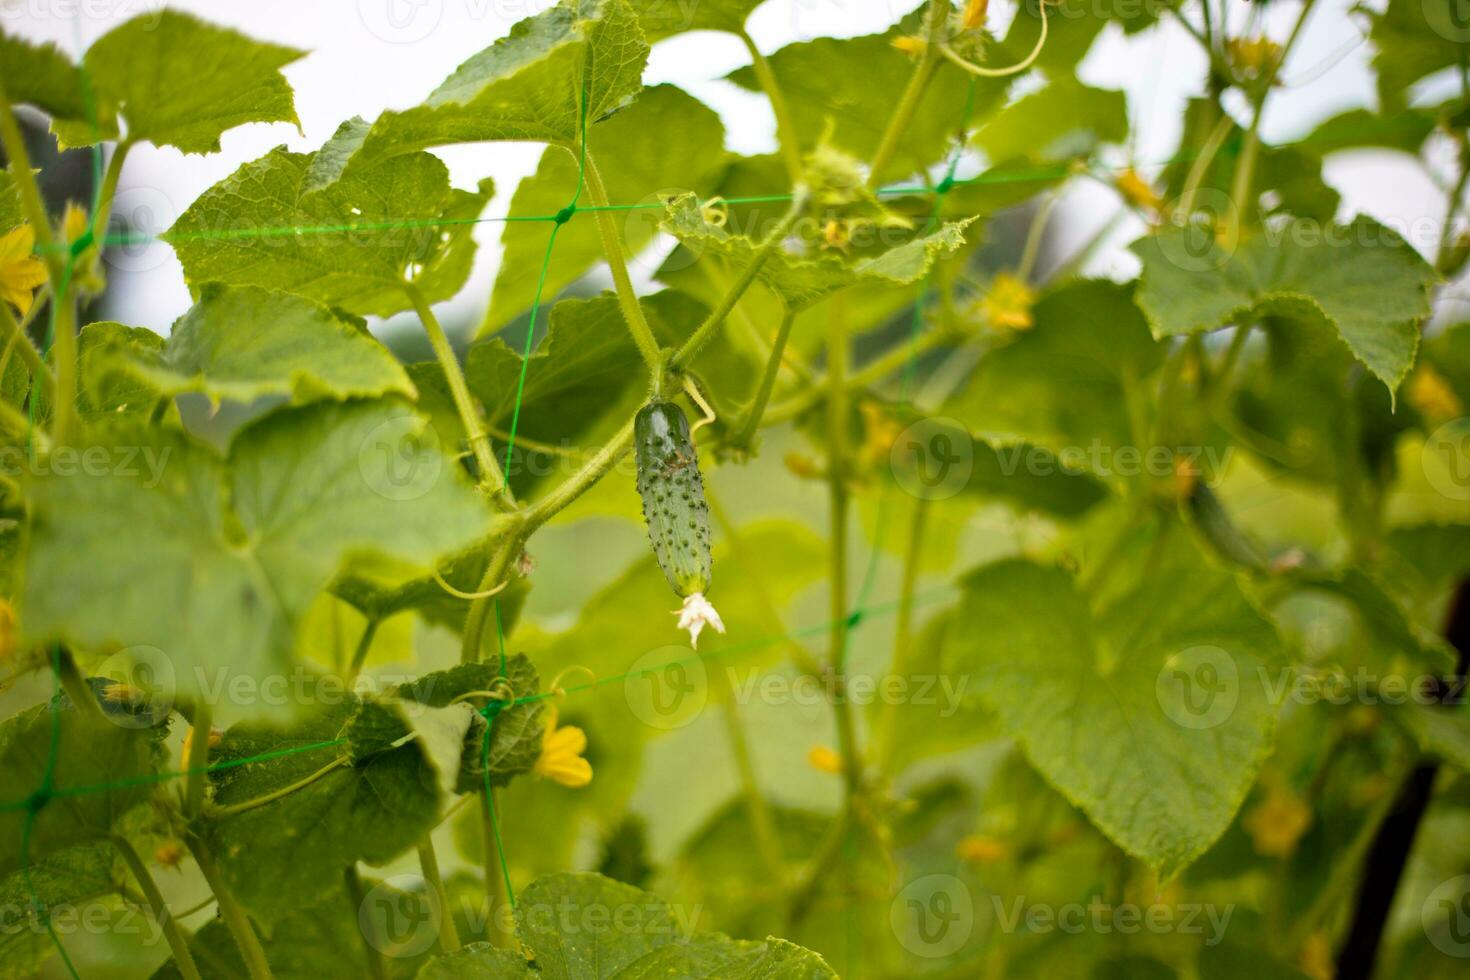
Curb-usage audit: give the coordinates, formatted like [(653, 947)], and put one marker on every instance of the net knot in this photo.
[(944, 186), (82, 243), (565, 214), (854, 618), (37, 801), (492, 708)]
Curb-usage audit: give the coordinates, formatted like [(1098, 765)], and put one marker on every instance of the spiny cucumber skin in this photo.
[(673, 496)]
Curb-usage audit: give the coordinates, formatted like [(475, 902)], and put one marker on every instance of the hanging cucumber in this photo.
[(675, 511)]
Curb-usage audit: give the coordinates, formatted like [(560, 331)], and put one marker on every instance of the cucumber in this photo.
[(674, 509)]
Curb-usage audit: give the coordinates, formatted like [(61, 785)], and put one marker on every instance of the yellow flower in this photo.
[(880, 432), (1432, 395), (974, 17), (169, 853), (912, 46), (1278, 822), (1008, 304), (73, 222), (7, 630), (982, 849), (1254, 57), (1315, 957), (835, 235), (215, 737), (20, 271), (1137, 191), (824, 759), (561, 754)]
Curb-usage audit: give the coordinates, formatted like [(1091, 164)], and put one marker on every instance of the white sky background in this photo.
[(368, 55)]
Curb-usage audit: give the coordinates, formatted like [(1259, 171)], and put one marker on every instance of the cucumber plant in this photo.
[(1090, 604)]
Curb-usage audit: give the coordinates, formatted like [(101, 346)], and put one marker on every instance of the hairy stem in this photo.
[(492, 480), (903, 638), (913, 93), (162, 915), (197, 761), (617, 261), (429, 861), (76, 686), (232, 912), (364, 644), (495, 891), (786, 134), (837, 420), (768, 383), (14, 335)]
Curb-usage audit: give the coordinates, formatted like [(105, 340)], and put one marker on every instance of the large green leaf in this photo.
[(1063, 383), (352, 245), (666, 142), (178, 81), (665, 18), (246, 343), (529, 85), (1361, 280), (1108, 703), (587, 927), (801, 280), (1064, 120), (65, 881), (100, 774), (1414, 38), (214, 562), (290, 851), (103, 393), (40, 75)]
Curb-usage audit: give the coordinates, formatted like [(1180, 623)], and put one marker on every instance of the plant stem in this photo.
[(109, 190), (479, 611), (231, 912), (494, 874), (183, 958), (77, 688), (429, 861), (220, 812), (13, 141), (913, 93), (1034, 234), (195, 766), (1240, 187), (353, 883), (364, 644), (1384, 866), (768, 383), (14, 335), (1201, 165), (903, 629), (786, 137), (617, 261), (717, 316), (871, 373), (837, 421), (762, 827), (492, 480)]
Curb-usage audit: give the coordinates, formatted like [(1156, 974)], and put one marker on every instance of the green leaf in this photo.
[(801, 280), (11, 213), (583, 926), (1167, 763), (199, 80), (1362, 280), (1065, 120), (351, 246), (1442, 730), (665, 18), (1404, 129), (515, 741), (40, 75), (289, 851), (325, 939), (529, 85), (215, 562), (247, 343), (64, 881), (666, 142), (104, 394), (1412, 39), (101, 773), (1063, 383)]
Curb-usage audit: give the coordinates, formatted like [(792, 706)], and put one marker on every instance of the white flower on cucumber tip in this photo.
[(695, 614)]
